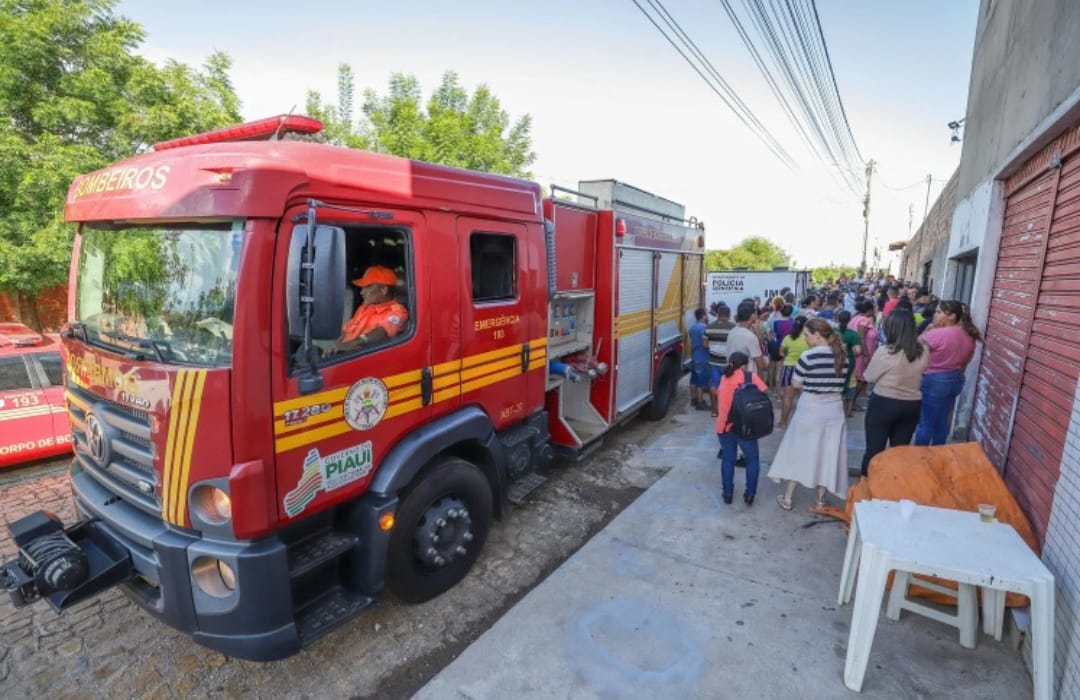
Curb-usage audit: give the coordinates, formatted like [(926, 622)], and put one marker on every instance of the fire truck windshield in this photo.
[(161, 292)]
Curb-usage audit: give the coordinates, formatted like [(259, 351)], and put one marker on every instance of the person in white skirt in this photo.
[(813, 451)]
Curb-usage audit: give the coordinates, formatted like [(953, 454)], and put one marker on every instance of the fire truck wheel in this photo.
[(442, 524), (663, 392)]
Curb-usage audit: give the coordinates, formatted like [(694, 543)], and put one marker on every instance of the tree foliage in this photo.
[(73, 98), (829, 273), (451, 127), (753, 253)]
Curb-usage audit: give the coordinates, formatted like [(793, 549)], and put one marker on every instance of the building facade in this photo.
[(1015, 243), (924, 257)]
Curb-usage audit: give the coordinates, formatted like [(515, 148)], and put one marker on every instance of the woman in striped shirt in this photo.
[(813, 451)]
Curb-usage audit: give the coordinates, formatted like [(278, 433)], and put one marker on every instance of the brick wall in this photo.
[(931, 242), (1061, 553), (51, 308)]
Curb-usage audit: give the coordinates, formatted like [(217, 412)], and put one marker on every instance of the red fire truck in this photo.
[(250, 486), (33, 419)]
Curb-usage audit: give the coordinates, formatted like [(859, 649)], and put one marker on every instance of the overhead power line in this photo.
[(707, 71), (788, 45)]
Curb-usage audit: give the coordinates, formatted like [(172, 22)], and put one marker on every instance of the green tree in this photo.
[(829, 273), (753, 253), (452, 127), (73, 98)]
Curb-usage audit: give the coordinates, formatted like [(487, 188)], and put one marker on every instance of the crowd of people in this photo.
[(895, 343)]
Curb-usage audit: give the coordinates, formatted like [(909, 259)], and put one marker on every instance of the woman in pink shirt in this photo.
[(863, 324), (951, 340)]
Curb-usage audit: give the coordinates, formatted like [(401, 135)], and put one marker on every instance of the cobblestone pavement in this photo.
[(108, 648)]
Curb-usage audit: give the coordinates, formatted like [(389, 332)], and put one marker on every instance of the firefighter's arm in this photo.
[(376, 335)]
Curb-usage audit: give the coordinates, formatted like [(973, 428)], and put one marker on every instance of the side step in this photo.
[(317, 550), (328, 613), (523, 487)]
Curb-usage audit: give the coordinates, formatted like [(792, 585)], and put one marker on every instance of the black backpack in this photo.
[(751, 411)]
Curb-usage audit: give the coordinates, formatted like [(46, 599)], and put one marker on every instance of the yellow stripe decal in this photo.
[(72, 398), (406, 392), (307, 437), (476, 371), (402, 379), (183, 408), (175, 418), (332, 396), (404, 407), (483, 357), (193, 422), (170, 446), (333, 414), (446, 394), (466, 387), (489, 368), (446, 367)]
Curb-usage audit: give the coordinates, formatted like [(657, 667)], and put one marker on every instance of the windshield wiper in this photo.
[(156, 346), (78, 327)]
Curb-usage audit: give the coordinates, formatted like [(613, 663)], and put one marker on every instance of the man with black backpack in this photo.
[(746, 414)]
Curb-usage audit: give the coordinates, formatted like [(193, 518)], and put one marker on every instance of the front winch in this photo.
[(62, 565)]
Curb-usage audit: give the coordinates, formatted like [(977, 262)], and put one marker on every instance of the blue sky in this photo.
[(609, 97)]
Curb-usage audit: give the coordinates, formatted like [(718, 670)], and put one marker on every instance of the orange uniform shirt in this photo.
[(389, 315), (725, 394)]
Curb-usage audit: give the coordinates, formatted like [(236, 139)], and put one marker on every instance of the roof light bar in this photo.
[(249, 131)]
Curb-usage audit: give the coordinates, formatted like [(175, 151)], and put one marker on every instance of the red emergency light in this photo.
[(249, 131)]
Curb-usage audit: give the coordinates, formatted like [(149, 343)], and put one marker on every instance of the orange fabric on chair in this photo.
[(956, 476)]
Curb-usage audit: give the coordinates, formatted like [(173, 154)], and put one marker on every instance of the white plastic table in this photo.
[(950, 544)]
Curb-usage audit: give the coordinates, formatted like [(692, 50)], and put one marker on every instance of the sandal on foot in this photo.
[(820, 503), (783, 502)]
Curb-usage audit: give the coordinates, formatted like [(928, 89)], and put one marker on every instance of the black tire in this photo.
[(420, 567), (663, 391)]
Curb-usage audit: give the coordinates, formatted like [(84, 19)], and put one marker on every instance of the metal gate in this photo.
[(1028, 377), (634, 327)]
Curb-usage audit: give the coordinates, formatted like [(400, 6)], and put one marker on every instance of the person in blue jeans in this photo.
[(734, 377), (951, 340), (699, 363)]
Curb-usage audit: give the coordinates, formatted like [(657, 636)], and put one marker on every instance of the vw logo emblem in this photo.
[(96, 440)]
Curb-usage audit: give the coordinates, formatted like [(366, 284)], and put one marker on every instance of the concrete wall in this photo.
[(976, 226), (931, 242), (1025, 67)]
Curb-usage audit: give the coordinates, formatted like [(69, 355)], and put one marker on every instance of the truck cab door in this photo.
[(51, 373), (25, 415), (498, 318), (330, 443)]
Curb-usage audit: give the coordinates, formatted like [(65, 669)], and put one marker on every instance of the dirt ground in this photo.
[(107, 647)]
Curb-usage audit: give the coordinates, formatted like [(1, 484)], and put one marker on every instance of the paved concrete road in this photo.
[(106, 647), (682, 596)]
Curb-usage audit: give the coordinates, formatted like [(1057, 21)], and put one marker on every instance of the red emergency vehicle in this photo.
[(33, 418), (255, 491)]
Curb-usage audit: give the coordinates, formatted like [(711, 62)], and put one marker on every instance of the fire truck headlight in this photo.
[(212, 505), (214, 576)]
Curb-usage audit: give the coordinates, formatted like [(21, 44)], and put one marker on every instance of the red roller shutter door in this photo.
[(1027, 382)]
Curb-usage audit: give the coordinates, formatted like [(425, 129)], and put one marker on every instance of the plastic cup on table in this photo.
[(986, 512), (907, 508)]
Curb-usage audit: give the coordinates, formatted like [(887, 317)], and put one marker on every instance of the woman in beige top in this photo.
[(896, 373)]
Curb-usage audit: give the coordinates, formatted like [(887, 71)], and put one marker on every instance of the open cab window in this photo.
[(391, 319)]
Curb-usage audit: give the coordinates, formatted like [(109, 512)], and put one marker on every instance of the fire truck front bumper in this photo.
[(230, 596)]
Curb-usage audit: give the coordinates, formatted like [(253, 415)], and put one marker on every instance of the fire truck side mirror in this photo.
[(327, 296)]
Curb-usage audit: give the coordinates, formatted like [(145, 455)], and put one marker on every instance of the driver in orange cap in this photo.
[(380, 316)]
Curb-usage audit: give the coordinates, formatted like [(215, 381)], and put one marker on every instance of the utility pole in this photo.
[(926, 210), (866, 215)]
